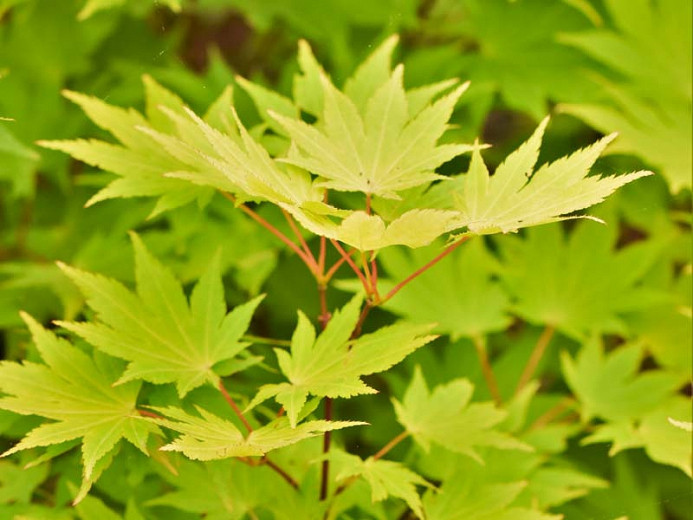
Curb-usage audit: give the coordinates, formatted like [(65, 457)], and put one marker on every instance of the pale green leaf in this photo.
[(209, 437), (448, 418), (76, 393), (165, 338), (514, 197), (332, 364), (385, 478)]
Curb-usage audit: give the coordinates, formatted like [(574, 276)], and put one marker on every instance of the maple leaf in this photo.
[(209, 437), (140, 161), (368, 140), (646, 99), (331, 365), (446, 417), (385, 478), (609, 386), (76, 392), (579, 284), (165, 338), (514, 197)]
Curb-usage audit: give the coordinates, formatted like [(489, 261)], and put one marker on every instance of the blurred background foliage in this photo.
[(597, 66)]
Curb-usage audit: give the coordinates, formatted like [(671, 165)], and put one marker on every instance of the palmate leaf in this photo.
[(331, 365), (368, 140), (165, 338), (209, 437), (446, 417), (579, 283), (514, 197), (140, 161), (77, 393), (385, 478), (608, 385)]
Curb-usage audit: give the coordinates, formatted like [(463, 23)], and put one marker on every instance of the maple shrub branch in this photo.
[(234, 406), (535, 357), (424, 268), (486, 369), (310, 263), (304, 245), (347, 258)]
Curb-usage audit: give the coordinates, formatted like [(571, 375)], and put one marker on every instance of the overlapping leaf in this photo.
[(446, 417), (579, 284), (165, 338), (649, 53), (209, 437), (514, 197), (368, 140), (385, 478), (76, 392), (331, 365)]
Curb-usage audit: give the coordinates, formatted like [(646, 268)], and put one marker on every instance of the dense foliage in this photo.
[(394, 259)]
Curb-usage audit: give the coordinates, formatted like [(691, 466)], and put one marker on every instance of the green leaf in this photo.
[(447, 418), (332, 364), (165, 338), (514, 197), (141, 162), (385, 478), (579, 284), (609, 386), (76, 393), (461, 498), (210, 437), (367, 140), (221, 490), (663, 441), (648, 51), (18, 484)]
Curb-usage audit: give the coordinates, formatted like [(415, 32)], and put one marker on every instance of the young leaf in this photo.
[(165, 338), (140, 161), (76, 393), (332, 365), (209, 437), (514, 197), (385, 478), (368, 140), (447, 418)]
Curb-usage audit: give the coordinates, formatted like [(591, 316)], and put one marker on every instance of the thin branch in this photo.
[(234, 406), (325, 315), (297, 232), (348, 259), (480, 346), (321, 255), (394, 442), (326, 440), (283, 473), (332, 270), (424, 268), (368, 203), (359, 324), (535, 357), (147, 413), (374, 273), (552, 413), (269, 227), (266, 341)]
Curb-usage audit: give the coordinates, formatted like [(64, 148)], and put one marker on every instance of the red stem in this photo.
[(301, 240), (147, 413), (487, 370), (234, 406), (332, 270), (283, 473), (424, 268), (394, 442), (269, 227), (353, 266)]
